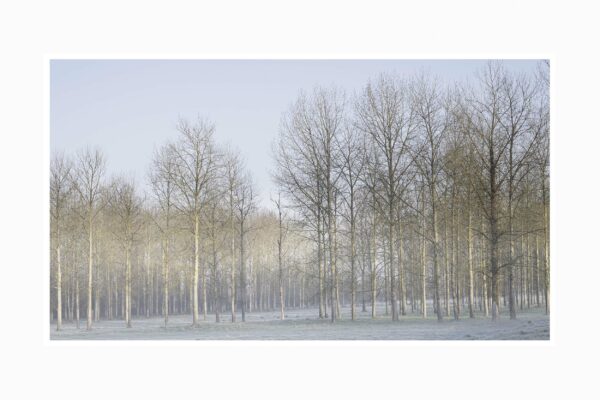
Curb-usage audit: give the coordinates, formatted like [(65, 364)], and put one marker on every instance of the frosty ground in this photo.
[(304, 324)]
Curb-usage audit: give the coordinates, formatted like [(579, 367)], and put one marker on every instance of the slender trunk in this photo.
[(336, 275), (436, 279), (215, 282), (423, 269), (90, 266), (147, 282), (232, 269), (204, 292), (537, 269), (58, 285), (401, 282), (493, 239), (456, 240), (319, 262), (320, 258), (484, 271), (391, 262), (352, 263), (77, 300), (446, 268), (165, 259), (109, 292), (330, 240), (196, 270), (373, 265), (117, 305), (128, 287), (242, 274), (362, 287), (70, 300), (526, 279), (280, 263), (385, 277), (546, 253), (470, 261), (511, 255), (96, 294), (326, 286)]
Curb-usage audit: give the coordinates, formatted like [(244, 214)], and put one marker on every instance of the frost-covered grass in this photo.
[(304, 324)]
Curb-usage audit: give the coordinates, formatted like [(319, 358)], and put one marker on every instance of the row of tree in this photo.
[(409, 195), (443, 191), (184, 248)]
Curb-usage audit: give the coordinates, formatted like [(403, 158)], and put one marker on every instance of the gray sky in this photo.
[(130, 107)]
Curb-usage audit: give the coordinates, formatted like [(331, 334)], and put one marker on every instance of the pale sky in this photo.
[(130, 107)]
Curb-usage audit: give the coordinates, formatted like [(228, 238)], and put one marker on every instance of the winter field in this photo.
[(302, 324)]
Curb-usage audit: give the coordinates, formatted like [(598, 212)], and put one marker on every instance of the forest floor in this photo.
[(303, 324)]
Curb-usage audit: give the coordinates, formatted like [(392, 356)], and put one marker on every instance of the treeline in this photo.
[(196, 243), (416, 193), (408, 193)]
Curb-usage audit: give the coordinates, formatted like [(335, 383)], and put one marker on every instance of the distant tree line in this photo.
[(418, 196)]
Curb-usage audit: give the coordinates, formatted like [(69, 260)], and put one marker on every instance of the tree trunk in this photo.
[(470, 261), (511, 257), (215, 284), (546, 257), (280, 264), (436, 278), (446, 269), (335, 274), (128, 287), (391, 263), (109, 293), (493, 241), (196, 271), (90, 266), (455, 240), (537, 269), (373, 265), (58, 285), (165, 259), (148, 285), (77, 300), (242, 274), (330, 240), (362, 287), (204, 292), (319, 262), (401, 283), (423, 270), (352, 263)]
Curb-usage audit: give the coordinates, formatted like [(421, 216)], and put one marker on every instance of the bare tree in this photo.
[(194, 167), (484, 111), (215, 222), (541, 158), (127, 207), (232, 165), (162, 176), (326, 110), (245, 204), (352, 159), (282, 234), (384, 113), (60, 189), (518, 95), (432, 122), (299, 177), (88, 173), (307, 156)]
